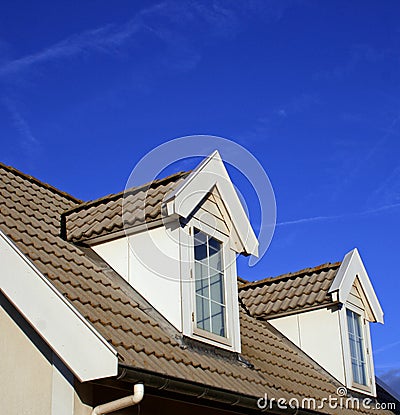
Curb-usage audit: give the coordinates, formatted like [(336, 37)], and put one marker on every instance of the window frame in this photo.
[(366, 345), (360, 321), (221, 271), (197, 332)]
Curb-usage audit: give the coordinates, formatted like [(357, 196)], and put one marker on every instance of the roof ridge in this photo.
[(114, 196), (302, 272), (39, 182)]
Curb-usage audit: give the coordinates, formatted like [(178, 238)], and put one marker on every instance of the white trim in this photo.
[(351, 268), (370, 388), (211, 173), (232, 340), (83, 350), (197, 332)]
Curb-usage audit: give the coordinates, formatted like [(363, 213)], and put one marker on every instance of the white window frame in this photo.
[(232, 326), (369, 369), (197, 330)]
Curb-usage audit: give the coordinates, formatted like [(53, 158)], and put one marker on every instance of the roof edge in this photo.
[(268, 317), (39, 182), (115, 196), (304, 271)]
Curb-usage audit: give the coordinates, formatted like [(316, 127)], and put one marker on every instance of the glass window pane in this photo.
[(209, 283), (200, 271), (350, 321), (200, 251), (357, 326), (354, 367), (214, 244), (201, 277), (356, 343), (216, 260), (353, 348), (218, 319), (217, 288), (363, 376), (203, 313)]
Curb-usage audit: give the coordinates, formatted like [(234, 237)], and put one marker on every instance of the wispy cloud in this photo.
[(105, 39), (356, 55), (386, 347), (367, 212), (353, 157), (170, 21), (389, 188), (28, 142)]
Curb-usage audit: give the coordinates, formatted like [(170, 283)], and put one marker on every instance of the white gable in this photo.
[(353, 273), (70, 336), (212, 212), (211, 174)]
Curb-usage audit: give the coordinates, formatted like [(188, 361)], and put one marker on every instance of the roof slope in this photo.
[(288, 293), (115, 212), (30, 216)]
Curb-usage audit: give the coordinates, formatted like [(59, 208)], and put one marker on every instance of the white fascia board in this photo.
[(352, 267), (83, 350), (211, 172)]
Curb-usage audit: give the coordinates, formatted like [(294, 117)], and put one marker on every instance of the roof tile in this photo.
[(30, 216), (289, 293)]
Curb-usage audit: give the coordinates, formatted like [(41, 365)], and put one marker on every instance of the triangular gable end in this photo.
[(352, 273), (211, 174), (212, 212), (357, 288)]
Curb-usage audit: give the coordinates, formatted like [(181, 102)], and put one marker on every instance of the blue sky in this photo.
[(311, 89)]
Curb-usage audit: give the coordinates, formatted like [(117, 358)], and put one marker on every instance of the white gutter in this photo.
[(138, 392)]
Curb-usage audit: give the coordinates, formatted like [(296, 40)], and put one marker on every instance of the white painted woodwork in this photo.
[(75, 341)]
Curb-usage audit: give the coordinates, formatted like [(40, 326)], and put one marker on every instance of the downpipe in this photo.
[(106, 408)]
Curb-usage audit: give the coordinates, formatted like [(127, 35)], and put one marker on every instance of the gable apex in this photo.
[(351, 270), (208, 175)]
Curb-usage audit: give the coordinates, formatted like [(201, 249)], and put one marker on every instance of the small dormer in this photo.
[(326, 311), (175, 240), (359, 306)]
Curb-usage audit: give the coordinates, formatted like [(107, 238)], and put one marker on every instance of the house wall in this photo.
[(150, 262), (318, 334), (25, 373), (33, 381), (158, 263)]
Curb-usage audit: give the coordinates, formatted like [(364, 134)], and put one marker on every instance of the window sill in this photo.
[(208, 337), (358, 387)]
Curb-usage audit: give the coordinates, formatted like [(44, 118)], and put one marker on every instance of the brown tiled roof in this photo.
[(30, 216), (116, 212), (289, 293)]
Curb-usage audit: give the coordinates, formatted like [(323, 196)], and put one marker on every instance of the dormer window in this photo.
[(357, 352), (210, 314), (182, 260)]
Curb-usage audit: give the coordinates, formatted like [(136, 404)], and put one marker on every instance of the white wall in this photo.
[(150, 262), (158, 263), (318, 334), (33, 381), (25, 374), (289, 326)]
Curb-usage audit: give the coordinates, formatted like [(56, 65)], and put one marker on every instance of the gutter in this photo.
[(235, 400)]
